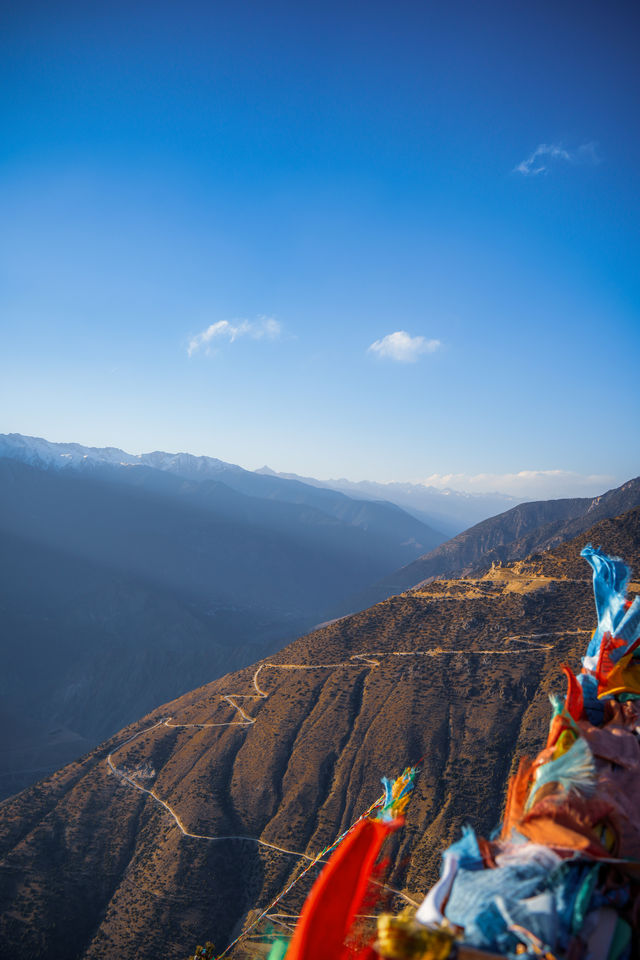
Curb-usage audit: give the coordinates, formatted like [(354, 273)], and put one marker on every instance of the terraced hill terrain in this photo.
[(189, 823), (513, 535)]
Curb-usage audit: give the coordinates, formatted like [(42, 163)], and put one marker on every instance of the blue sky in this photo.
[(392, 241)]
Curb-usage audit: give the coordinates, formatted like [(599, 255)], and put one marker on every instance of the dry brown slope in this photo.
[(456, 673)]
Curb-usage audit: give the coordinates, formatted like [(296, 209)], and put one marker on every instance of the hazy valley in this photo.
[(125, 584)]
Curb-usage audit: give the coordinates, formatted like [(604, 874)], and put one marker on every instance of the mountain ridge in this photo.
[(524, 529), (287, 753), (449, 510), (73, 456)]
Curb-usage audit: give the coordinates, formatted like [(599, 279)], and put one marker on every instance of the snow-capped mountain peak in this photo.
[(42, 453), (60, 456)]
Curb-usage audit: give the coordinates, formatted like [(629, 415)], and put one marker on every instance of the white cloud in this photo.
[(545, 154), (264, 328), (533, 484), (588, 153), (402, 347)]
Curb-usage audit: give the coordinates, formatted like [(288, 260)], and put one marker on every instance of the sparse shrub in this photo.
[(207, 952)]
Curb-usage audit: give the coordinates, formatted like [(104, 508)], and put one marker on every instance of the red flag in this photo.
[(337, 894)]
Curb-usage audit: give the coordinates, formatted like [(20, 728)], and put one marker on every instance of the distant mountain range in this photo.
[(125, 581), (448, 510), (186, 825)]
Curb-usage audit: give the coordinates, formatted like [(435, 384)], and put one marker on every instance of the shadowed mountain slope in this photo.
[(447, 511), (209, 477), (124, 586), (175, 830), (517, 533)]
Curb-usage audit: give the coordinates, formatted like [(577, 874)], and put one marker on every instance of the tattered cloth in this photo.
[(561, 879)]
